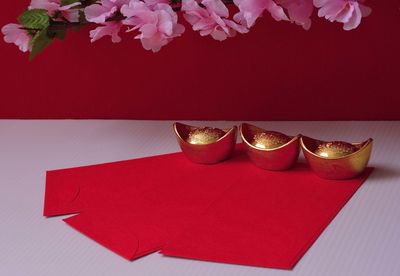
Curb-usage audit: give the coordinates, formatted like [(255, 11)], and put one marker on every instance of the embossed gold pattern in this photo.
[(270, 139), (204, 135), (335, 149)]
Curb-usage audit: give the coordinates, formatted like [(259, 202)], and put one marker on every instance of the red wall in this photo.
[(276, 72)]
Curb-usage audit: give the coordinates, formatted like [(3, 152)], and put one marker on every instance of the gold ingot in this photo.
[(337, 159), (270, 150), (205, 145)]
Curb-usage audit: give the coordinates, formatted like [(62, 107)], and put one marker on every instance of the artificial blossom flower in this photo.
[(250, 10), (212, 19), (99, 13), (13, 33), (348, 12), (111, 28), (103, 9), (53, 6), (299, 11), (157, 23)]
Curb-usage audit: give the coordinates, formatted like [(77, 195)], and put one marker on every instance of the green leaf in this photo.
[(40, 41), (34, 19)]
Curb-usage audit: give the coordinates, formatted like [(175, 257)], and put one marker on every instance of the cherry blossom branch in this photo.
[(63, 25), (156, 22)]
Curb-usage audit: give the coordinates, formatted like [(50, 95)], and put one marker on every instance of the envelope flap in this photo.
[(60, 195), (120, 232)]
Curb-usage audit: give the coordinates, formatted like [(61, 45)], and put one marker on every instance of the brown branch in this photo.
[(57, 26)]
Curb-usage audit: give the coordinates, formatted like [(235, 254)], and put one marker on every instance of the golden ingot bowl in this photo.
[(336, 159), (205, 145), (270, 150)]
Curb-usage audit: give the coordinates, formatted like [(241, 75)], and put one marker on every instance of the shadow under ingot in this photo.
[(205, 145), (270, 150), (336, 159)]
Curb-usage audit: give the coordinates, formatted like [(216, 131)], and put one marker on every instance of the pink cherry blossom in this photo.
[(13, 33), (299, 11), (111, 28), (54, 6), (157, 23), (103, 9), (250, 10), (348, 12), (211, 20)]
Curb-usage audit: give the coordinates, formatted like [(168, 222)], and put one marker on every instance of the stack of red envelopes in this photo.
[(231, 212)]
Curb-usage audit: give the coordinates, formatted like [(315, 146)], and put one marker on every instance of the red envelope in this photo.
[(132, 207), (267, 219), (125, 233), (165, 179), (258, 217)]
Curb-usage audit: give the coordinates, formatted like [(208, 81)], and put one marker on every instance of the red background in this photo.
[(276, 72)]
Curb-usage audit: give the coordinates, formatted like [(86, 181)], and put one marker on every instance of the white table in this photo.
[(363, 240)]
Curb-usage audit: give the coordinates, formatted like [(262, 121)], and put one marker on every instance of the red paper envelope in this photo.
[(150, 199), (165, 179), (267, 219), (128, 234), (135, 207)]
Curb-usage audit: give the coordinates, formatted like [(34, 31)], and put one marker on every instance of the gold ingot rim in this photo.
[(244, 139), (364, 144), (228, 132)]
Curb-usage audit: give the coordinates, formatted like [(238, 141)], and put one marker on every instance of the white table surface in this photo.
[(363, 240)]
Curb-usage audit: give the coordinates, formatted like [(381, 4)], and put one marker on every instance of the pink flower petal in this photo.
[(348, 12), (14, 34), (109, 28), (98, 13), (211, 20)]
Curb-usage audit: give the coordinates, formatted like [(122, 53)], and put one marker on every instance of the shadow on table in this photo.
[(382, 173)]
